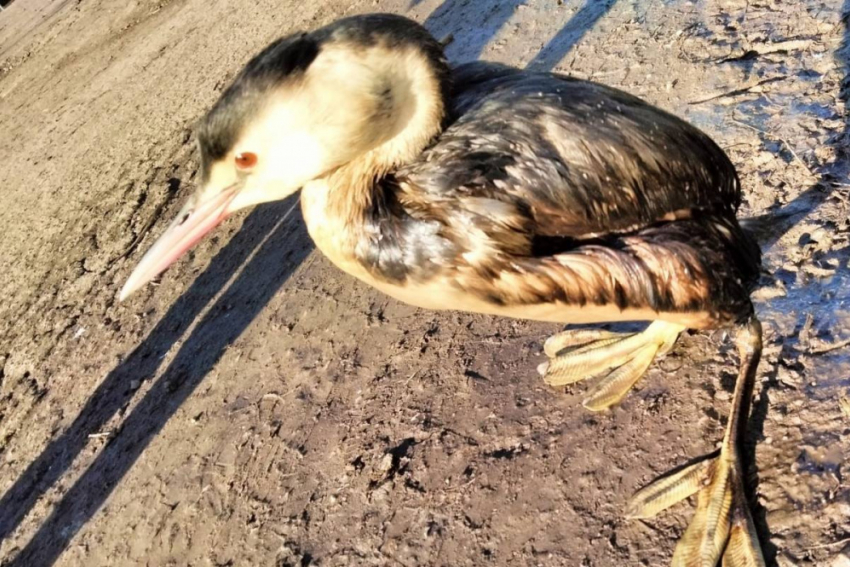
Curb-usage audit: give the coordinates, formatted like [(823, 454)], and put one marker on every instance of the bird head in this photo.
[(306, 106)]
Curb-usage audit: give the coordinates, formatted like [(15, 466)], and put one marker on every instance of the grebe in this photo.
[(488, 189)]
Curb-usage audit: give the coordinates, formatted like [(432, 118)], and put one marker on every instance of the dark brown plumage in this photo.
[(553, 172)]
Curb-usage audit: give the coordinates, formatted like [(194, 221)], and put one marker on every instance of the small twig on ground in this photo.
[(143, 231), (740, 90), (805, 334), (844, 404), (829, 348), (768, 48), (100, 435), (783, 141), (832, 544), (411, 377)]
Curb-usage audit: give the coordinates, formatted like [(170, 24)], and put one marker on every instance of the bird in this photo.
[(484, 188)]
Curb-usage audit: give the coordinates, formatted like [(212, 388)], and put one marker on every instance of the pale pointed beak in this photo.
[(190, 226)]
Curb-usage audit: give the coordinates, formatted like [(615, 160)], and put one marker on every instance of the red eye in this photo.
[(246, 160)]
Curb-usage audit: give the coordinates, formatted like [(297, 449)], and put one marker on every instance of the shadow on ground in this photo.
[(270, 249), (476, 24)]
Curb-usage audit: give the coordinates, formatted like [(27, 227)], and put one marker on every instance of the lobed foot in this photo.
[(621, 358), (722, 524)]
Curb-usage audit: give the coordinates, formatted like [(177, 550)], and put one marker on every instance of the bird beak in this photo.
[(192, 223)]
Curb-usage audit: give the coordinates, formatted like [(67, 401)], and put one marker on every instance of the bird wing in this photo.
[(572, 158)]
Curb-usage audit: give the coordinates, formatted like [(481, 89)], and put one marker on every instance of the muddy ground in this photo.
[(258, 407)]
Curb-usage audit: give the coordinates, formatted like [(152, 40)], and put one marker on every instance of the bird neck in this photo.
[(419, 86)]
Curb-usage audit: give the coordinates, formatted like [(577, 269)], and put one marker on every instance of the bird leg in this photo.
[(621, 357), (722, 524)]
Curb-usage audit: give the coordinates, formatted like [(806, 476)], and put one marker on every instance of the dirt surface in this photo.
[(258, 407)]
